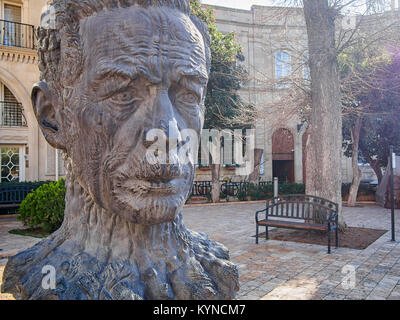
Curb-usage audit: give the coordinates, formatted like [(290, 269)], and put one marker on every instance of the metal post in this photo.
[(392, 167), (276, 187)]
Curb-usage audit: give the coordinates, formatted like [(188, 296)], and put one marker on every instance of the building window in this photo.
[(262, 164), (12, 13), (12, 29), (11, 111), (283, 69), (10, 163), (13, 32)]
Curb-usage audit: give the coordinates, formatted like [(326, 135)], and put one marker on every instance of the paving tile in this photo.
[(376, 297), (335, 297), (284, 270)]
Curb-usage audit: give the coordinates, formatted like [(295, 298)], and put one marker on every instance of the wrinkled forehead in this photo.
[(138, 41)]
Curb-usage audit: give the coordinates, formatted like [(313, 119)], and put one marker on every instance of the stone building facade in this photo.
[(25, 155), (274, 43), (274, 46)]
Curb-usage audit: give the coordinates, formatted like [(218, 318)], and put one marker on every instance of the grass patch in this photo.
[(36, 232)]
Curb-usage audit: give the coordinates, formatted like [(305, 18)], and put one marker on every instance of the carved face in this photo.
[(143, 69)]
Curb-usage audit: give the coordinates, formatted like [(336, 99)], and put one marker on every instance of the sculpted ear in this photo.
[(46, 115)]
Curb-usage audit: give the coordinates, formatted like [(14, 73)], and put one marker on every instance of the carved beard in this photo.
[(138, 192)]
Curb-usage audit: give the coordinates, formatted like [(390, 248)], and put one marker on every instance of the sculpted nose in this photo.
[(169, 128), (165, 120), (165, 117)]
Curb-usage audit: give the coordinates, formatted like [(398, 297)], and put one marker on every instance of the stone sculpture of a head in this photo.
[(111, 71)]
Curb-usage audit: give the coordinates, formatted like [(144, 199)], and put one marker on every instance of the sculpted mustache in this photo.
[(124, 164), (146, 171)]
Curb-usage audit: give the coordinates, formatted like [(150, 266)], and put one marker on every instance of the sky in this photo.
[(246, 4), (239, 4)]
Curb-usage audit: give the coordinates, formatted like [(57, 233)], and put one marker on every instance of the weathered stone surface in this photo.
[(111, 71)]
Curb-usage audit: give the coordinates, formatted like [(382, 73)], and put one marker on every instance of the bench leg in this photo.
[(256, 233), (337, 237), (329, 241), (266, 233)]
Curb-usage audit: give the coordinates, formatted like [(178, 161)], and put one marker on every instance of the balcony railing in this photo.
[(15, 34), (12, 114)]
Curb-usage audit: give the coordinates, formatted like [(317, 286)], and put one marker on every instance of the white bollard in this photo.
[(276, 187)]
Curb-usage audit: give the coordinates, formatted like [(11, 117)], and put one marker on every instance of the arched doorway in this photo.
[(283, 155)]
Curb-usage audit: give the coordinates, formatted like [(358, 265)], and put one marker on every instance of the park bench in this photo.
[(299, 212), (11, 196)]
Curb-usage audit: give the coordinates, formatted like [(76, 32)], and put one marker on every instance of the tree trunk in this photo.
[(325, 148), (355, 137), (253, 178), (215, 177), (377, 169)]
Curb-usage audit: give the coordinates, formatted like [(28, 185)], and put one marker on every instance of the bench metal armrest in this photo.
[(333, 217), (260, 211)]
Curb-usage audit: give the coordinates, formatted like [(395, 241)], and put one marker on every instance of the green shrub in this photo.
[(364, 189), (242, 194), (208, 196), (266, 191), (44, 207), (254, 191), (223, 195), (292, 188)]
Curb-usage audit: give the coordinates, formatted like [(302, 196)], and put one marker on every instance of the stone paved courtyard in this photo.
[(284, 270)]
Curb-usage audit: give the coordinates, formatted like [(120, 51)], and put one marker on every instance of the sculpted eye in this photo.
[(189, 98), (124, 98)]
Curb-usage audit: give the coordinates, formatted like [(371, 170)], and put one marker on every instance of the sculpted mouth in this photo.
[(153, 180), (142, 186)]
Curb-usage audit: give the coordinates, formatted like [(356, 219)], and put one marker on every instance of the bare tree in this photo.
[(326, 40), (317, 98)]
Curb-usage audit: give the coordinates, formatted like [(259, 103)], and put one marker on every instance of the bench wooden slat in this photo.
[(291, 224)]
